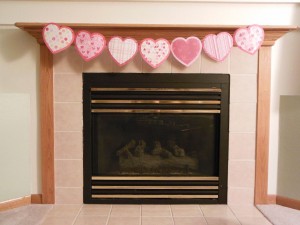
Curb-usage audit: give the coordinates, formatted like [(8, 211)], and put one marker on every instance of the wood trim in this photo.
[(288, 202), (262, 125), (47, 124), (15, 203), (167, 31), (272, 199), (36, 199)]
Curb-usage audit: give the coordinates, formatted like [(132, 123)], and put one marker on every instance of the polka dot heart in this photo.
[(89, 45), (57, 38), (155, 52), (249, 39)]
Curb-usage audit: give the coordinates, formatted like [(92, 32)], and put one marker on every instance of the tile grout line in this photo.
[(234, 214), (45, 216), (108, 216), (141, 214), (172, 214), (203, 214), (77, 215)]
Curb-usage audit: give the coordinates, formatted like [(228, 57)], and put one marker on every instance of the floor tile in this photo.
[(222, 221), (126, 211), (64, 211), (245, 211), (216, 211), (190, 221), (91, 220), (254, 221), (124, 221), (95, 210), (157, 221), (58, 221), (186, 210), (156, 210)]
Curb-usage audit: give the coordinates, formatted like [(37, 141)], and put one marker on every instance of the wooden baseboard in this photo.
[(18, 202), (272, 199), (36, 199), (288, 202), (15, 203)]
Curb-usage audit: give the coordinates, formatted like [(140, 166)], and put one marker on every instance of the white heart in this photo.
[(57, 38), (122, 51), (155, 52)]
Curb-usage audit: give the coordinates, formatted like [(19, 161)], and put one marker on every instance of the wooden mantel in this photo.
[(139, 32), (169, 32)]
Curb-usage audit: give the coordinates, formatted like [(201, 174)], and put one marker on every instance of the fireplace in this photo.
[(155, 138)]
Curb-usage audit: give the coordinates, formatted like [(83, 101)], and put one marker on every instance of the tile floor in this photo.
[(143, 215)]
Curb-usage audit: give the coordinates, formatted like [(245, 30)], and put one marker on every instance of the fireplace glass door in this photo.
[(155, 144)]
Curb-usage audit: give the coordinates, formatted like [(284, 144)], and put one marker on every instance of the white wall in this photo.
[(18, 74), (167, 12), (289, 142), (14, 145)]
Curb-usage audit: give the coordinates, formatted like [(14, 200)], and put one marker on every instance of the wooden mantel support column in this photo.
[(47, 125), (139, 32), (262, 125)]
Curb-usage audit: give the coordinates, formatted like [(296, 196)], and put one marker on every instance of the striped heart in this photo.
[(218, 47)]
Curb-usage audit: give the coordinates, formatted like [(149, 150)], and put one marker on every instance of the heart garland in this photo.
[(122, 51), (249, 39), (57, 38), (155, 52), (218, 46), (186, 51), (89, 45)]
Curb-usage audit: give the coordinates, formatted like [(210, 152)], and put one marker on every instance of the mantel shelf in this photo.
[(169, 32)]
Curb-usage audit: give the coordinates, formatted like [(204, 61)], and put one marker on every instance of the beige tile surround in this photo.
[(68, 68)]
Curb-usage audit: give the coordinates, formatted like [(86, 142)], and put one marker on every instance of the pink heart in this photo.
[(249, 39), (218, 46), (186, 51), (85, 44), (122, 51), (155, 52), (57, 38)]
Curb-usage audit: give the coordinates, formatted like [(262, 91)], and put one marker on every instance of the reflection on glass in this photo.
[(132, 144)]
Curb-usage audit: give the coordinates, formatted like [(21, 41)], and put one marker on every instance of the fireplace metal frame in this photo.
[(154, 82)]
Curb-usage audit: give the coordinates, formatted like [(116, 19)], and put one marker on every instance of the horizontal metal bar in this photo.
[(154, 178), (155, 196), (170, 102), (158, 187), (212, 111), (217, 90)]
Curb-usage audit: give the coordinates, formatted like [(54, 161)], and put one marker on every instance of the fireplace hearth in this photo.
[(155, 138)]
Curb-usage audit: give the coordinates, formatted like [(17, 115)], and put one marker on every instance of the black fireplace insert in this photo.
[(155, 138)]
